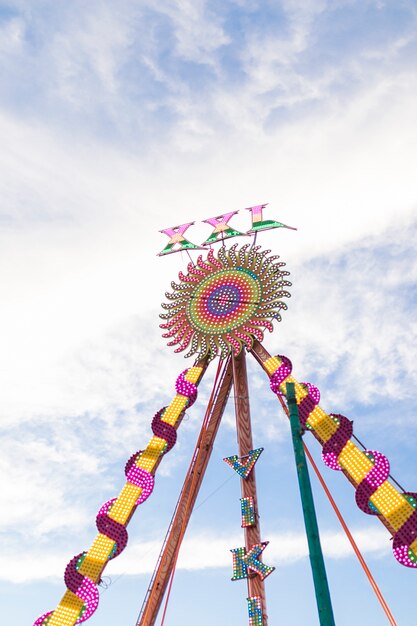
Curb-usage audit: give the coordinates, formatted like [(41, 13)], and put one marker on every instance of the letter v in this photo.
[(244, 465)]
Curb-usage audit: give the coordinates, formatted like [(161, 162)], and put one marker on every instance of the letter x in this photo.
[(176, 239)]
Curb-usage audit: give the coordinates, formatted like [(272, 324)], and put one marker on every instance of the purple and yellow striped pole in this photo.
[(84, 571)]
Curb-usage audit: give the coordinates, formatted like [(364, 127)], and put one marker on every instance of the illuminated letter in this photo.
[(247, 506), (244, 561), (244, 465), (255, 611), (258, 223), (176, 238), (221, 229)]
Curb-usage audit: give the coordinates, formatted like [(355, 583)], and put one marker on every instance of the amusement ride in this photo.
[(219, 311)]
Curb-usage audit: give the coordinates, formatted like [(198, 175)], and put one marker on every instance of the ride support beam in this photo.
[(256, 586), (324, 604), (84, 577), (185, 505)]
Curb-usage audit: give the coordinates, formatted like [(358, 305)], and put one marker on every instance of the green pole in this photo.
[(324, 604)]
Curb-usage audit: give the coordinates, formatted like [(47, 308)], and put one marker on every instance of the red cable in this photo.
[(351, 539), (346, 529)]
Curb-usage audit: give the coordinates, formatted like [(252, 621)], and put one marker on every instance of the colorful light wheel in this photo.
[(225, 302)]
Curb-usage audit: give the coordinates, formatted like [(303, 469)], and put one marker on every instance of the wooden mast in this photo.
[(256, 585)]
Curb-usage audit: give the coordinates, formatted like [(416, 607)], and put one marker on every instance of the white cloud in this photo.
[(80, 282), (198, 31), (202, 551), (353, 313), (11, 35)]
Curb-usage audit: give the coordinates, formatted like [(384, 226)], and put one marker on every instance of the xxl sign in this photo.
[(222, 230)]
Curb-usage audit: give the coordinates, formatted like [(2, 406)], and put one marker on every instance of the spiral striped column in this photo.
[(367, 470), (84, 571)]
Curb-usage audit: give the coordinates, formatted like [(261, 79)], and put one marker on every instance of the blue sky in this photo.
[(121, 119)]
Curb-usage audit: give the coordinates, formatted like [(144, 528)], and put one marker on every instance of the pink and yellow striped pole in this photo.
[(367, 470), (84, 571)]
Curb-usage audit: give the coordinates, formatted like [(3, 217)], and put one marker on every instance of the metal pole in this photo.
[(324, 604)]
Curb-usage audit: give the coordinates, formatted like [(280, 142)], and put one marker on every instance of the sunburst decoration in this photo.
[(225, 302)]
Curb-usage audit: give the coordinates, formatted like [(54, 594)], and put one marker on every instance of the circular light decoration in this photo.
[(225, 302)]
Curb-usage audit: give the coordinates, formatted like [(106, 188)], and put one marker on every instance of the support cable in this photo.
[(353, 543), (401, 488)]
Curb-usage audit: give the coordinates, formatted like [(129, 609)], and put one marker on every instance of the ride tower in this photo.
[(219, 311)]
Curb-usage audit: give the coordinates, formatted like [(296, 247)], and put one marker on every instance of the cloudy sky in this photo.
[(119, 119)]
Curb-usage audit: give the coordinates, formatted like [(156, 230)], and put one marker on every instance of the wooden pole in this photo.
[(256, 586), (185, 505)]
